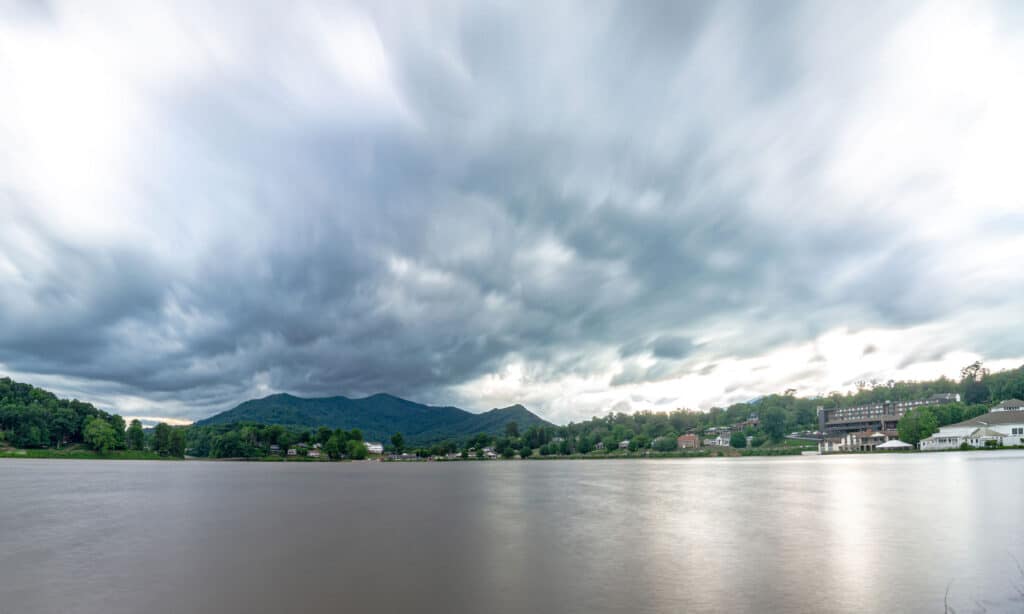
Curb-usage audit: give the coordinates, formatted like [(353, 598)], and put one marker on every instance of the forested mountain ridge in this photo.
[(378, 417)]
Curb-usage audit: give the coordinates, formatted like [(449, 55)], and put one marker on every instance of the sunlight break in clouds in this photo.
[(577, 207)]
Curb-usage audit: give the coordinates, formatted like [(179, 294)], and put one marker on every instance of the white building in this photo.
[(1005, 427), (1010, 405), (374, 447)]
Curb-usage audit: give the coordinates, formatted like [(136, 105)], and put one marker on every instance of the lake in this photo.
[(878, 533)]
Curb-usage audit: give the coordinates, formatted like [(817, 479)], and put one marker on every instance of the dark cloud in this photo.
[(476, 187)]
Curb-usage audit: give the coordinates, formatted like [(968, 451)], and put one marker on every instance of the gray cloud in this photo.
[(476, 184)]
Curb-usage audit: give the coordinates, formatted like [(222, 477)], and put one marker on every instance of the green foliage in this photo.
[(666, 443), (773, 422), (917, 424), (32, 417), (176, 448), (100, 436), (356, 449), (136, 436), (162, 439), (738, 440), (398, 442)]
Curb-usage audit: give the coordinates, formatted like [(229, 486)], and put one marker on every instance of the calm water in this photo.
[(839, 534)]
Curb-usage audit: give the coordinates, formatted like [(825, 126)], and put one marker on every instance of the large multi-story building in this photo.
[(881, 416)]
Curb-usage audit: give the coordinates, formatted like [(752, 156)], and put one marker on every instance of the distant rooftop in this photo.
[(1009, 405), (995, 417)]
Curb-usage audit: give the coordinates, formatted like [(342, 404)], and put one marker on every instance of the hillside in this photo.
[(377, 416)]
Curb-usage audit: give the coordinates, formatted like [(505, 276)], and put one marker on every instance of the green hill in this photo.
[(378, 417)]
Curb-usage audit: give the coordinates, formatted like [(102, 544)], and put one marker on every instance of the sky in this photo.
[(580, 207)]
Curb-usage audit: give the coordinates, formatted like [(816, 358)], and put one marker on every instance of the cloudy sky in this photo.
[(577, 207)]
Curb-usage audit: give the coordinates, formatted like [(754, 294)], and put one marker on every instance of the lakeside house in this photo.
[(374, 447), (999, 427), (624, 444), (599, 445), (293, 452), (275, 449), (314, 453), (689, 440)]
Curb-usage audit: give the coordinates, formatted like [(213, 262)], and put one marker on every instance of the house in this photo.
[(722, 440), (689, 440), (624, 444), (317, 446), (1010, 405), (374, 447), (599, 445), (314, 453), (293, 452), (1002, 426), (275, 449)]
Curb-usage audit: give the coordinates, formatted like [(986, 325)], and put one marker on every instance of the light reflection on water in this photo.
[(844, 534)]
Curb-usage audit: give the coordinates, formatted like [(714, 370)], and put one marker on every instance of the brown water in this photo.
[(882, 533)]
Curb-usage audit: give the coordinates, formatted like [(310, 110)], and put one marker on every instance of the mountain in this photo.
[(378, 417)]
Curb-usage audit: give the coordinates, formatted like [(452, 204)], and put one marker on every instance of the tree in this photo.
[(333, 448), (176, 446), (738, 440), (667, 443), (100, 435), (398, 441), (355, 434), (511, 429), (356, 449), (136, 436), (917, 424), (323, 434), (117, 423), (773, 421), (972, 385), (162, 438)]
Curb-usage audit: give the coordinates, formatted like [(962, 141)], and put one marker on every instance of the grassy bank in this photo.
[(81, 452)]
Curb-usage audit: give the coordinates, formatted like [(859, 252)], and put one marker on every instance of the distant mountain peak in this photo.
[(378, 416)]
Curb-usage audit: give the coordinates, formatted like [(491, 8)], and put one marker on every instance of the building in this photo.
[(1010, 405), (314, 453), (275, 449), (293, 452), (1002, 427), (882, 416), (599, 445), (864, 441), (374, 447), (624, 444), (689, 440), (722, 440), (752, 421)]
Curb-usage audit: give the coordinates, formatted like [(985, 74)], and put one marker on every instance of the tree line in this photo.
[(31, 417)]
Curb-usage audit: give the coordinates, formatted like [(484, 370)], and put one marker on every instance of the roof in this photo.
[(987, 432), (1010, 404), (994, 417), (894, 444)]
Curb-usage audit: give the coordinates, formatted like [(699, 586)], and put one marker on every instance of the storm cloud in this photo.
[(576, 206)]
